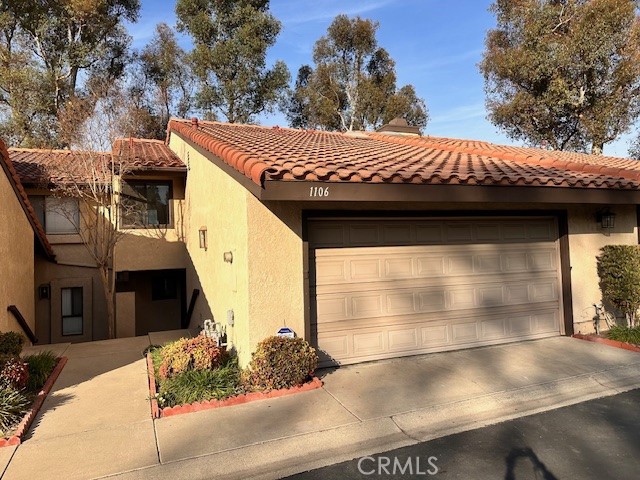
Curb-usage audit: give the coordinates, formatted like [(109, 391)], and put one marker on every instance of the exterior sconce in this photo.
[(606, 219), (228, 257), (202, 235)]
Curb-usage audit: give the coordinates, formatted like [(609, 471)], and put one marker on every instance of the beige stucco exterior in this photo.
[(216, 202), (155, 248), (585, 241), (17, 257)]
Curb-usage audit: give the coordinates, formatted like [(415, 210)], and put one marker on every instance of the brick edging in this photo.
[(30, 416), (157, 412), (607, 341)]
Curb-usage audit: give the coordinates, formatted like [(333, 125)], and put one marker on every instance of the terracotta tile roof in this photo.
[(38, 166), (148, 154), (14, 180), (44, 167), (267, 154)]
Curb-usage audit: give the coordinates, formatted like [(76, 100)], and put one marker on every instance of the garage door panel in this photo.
[(430, 266), (435, 335), (404, 339), (397, 263), (493, 329), (368, 343), (334, 304), (429, 234), (396, 287), (367, 269), (464, 332)]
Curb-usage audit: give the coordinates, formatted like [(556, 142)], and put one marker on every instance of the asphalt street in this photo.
[(598, 439)]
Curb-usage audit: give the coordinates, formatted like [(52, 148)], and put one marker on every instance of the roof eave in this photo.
[(402, 192)]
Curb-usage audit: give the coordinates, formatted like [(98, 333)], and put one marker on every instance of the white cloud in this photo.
[(291, 13), (460, 114)]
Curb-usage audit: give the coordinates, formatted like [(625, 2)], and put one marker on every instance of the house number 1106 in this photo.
[(319, 191)]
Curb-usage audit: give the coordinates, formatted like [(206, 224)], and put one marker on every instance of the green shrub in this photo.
[(280, 362), (14, 374), (198, 353), (619, 271), (625, 334), (199, 385), (13, 406), (40, 367), (11, 344)]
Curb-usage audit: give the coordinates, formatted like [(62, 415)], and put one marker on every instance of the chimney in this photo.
[(399, 126), (194, 122)]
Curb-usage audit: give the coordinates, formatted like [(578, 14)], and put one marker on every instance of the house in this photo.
[(149, 255), (379, 245), (370, 245), (22, 242)]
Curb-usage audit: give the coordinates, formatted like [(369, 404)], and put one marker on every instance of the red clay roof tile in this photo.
[(283, 154), (57, 166)]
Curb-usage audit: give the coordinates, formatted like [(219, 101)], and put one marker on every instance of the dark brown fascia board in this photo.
[(245, 181), (398, 192)]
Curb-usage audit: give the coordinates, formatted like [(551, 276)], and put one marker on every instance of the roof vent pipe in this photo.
[(399, 126)]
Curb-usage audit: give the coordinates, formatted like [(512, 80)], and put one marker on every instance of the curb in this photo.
[(606, 341), (239, 399), (155, 409), (157, 412), (27, 420)]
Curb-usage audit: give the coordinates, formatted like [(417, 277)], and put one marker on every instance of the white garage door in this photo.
[(386, 288)]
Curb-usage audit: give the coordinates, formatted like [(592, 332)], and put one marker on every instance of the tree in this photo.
[(165, 67), (64, 45), (353, 85), (93, 178), (563, 73), (231, 39)]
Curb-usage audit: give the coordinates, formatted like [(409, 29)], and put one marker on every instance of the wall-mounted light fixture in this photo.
[(606, 219), (228, 257), (44, 291), (202, 235)]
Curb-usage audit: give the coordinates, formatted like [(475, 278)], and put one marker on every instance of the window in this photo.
[(145, 203), (71, 311), (57, 215)]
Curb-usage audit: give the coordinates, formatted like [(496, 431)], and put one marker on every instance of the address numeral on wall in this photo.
[(319, 191)]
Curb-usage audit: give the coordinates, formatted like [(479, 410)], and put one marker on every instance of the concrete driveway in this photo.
[(362, 409)]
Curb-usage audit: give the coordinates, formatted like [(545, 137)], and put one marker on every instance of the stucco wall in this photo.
[(217, 202), (585, 241), (16, 259), (276, 278), (155, 248)]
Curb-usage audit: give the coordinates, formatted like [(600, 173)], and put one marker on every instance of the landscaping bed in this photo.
[(608, 341), (24, 385), (195, 374)]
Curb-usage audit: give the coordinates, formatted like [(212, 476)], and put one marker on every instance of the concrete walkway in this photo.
[(97, 421)]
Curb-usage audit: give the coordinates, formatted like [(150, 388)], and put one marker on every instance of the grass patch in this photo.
[(199, 385), (625, 334), (40, 367)]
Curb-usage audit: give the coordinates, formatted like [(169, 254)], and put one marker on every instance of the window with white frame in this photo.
[(57, 215)]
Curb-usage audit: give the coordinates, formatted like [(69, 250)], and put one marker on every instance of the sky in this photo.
[(436, 44)]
